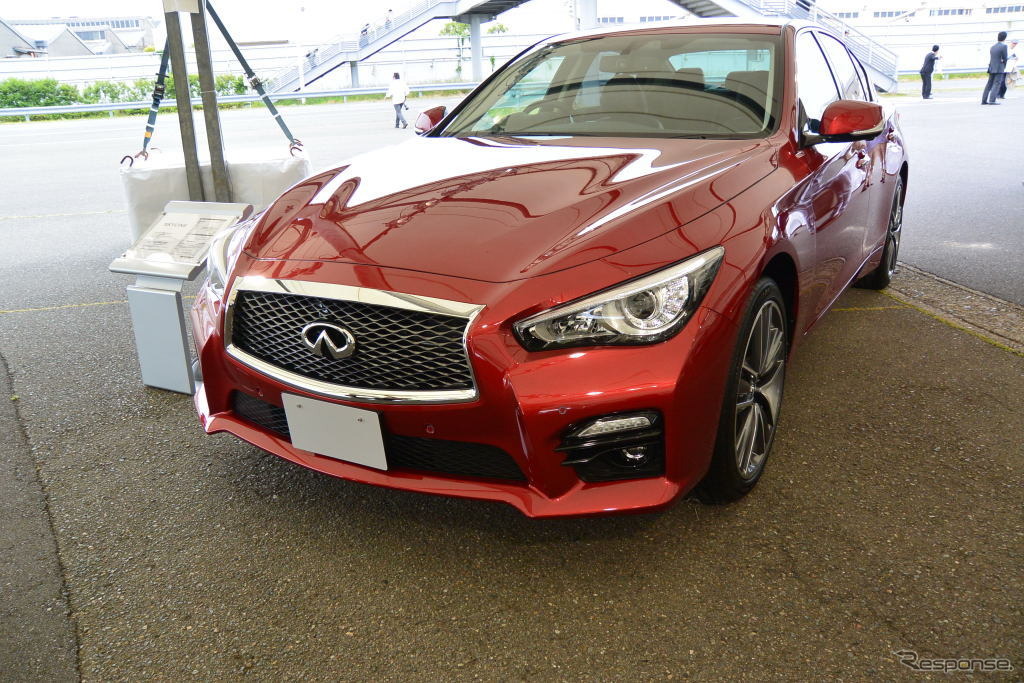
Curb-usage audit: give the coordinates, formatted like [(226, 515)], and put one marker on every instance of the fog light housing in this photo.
[(634, 455), (614, 447)]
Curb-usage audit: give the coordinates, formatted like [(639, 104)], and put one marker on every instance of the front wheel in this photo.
[(753, 398), (880, 277)]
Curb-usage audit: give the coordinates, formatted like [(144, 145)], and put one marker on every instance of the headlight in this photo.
[(224, 249), (643, 311)]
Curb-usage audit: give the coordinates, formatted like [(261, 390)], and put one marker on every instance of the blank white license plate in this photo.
[(337, 431)]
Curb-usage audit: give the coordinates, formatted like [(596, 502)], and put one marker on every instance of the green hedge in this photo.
[(44, 92), (16, 92)]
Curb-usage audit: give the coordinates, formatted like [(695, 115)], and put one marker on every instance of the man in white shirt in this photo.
[(398, 92)]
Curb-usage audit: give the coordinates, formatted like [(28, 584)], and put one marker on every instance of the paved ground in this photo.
[(132, 546), (965, 203)]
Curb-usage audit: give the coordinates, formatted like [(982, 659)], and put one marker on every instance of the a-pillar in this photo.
[(475, 48), (354, 69)]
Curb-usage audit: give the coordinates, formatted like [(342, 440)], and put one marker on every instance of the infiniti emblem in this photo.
[(328, 340)]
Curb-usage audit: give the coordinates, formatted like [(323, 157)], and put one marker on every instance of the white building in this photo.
[(964, 30)]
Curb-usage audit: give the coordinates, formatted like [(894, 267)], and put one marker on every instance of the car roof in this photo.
[(765, 24)]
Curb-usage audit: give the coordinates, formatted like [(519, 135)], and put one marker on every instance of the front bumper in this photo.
[(526, 403)]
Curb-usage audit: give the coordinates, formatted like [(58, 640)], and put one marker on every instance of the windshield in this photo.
[(700, 85)]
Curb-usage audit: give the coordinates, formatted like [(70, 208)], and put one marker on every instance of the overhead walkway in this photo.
[(374, 38), (879, 61)]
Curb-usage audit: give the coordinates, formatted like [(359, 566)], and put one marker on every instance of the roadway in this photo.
[(133, 546), (965, 204)]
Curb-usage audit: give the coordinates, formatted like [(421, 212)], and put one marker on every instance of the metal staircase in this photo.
[(373, 39), (879, 61)]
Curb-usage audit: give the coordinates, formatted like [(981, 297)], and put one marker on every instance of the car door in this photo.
[(833, 194), (853, 85)]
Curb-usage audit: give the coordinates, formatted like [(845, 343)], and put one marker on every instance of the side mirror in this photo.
[(849, 120), (426, 120)]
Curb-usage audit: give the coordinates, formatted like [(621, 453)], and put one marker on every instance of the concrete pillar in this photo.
[(475, 48), (586, 11), (354, 68)]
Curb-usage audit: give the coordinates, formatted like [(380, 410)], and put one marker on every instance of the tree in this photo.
[(461, 33), (498, 28), (456, 29)]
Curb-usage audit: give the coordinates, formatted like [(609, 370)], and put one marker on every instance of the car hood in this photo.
[(503, 209)]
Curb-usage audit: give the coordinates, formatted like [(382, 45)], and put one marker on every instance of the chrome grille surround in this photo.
[(359, 295)]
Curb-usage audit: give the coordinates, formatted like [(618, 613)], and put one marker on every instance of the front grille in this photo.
[(458, 458), (396, 349)]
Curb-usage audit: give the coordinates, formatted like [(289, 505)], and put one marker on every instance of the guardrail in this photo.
[(949, 70), (28, 112)]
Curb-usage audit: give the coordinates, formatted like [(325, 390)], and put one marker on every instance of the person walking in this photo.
[(996, 69), (398, 92), (1010, 79), (926, 72)]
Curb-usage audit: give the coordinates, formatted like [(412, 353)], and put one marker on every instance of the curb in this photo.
[(995, 320)]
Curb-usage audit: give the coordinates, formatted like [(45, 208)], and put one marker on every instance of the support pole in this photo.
[(211, 114), (587, 14), (475, 48), (184, 105), (354, 68)]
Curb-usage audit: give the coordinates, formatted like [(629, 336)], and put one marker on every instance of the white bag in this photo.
[(254, 179)]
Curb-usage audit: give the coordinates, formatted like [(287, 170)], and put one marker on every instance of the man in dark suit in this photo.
[(996, 69), (926, 72)]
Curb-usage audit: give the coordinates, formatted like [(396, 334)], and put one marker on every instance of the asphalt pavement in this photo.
[(133, 546), (965, 200)]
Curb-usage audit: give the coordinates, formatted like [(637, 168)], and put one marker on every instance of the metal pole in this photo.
[(475, 48), (211, 114), (587, 13), (184, 105)]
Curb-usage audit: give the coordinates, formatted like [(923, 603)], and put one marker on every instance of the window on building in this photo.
[(611, 20), (888, 14), (948, 12), (645, 20), (847, 15), (1004, 9)]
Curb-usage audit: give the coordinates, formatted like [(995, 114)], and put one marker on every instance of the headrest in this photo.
[(695, 75), (753, 84)]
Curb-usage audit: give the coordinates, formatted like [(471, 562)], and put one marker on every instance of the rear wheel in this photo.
[(753, 398), (880, 277)]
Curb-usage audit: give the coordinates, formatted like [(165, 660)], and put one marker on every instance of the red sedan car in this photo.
[(575, 293)]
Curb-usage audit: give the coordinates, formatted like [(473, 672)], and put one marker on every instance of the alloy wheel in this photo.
[(895, 230), (759, 390)]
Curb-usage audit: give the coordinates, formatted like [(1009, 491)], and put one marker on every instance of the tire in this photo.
[(753, 398), (881, 276)]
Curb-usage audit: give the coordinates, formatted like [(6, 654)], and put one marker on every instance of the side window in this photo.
[(814, 83), (868, 87), (850, 85)]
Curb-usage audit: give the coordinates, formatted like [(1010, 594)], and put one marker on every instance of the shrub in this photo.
[(226, 84), (44, 92), (107, 91)]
